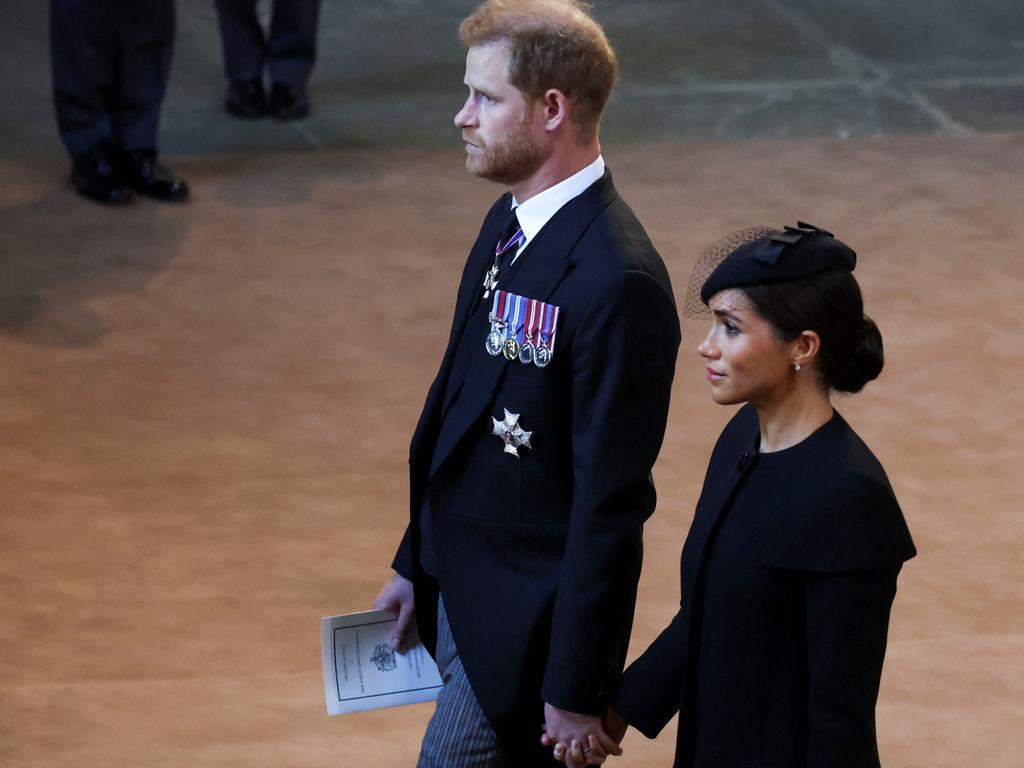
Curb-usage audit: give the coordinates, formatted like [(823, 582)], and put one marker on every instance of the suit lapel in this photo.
[(466, 301), (540, 269), (544, 262)]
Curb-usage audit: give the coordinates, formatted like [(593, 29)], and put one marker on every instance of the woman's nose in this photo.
[(706, 349)]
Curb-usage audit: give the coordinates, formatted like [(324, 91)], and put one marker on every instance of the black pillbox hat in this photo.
[(792, 254)]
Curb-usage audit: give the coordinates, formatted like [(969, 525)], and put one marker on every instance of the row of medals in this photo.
[(500, 343)]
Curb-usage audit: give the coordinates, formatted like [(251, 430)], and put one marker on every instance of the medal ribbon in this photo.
[(515, 309), (495, 317), (529, 328), (549, 326), (554, 328), (517, 238), (525, 320), (545, 326), (500, 311)]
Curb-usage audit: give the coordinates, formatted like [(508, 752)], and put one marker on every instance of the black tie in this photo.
[(511, 227)]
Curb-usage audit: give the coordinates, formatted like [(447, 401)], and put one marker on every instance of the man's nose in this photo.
[(464, 117)]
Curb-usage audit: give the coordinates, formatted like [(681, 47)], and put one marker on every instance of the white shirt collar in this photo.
[(538, 210)]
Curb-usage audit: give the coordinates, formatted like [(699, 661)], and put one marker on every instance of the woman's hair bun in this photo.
[(864, 362)]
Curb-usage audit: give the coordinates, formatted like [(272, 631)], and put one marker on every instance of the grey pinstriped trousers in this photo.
[(459, 734)]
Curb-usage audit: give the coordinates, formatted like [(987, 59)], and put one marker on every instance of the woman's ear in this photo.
[(804, 348)]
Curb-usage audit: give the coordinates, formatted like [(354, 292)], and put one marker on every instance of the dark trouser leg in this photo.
[(146, 41), (242, 39), (293, 33), (83, 57)]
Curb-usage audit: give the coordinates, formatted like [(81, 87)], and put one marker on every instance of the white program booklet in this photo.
[(362, 671)]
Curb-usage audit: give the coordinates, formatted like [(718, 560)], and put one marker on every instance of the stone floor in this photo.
[(390, 73), (207, 407)]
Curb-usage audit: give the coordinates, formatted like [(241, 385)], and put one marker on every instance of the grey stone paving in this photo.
[(390, 73)]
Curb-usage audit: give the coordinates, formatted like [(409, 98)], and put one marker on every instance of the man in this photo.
[(530, 465), (110, 60), (287, 52)]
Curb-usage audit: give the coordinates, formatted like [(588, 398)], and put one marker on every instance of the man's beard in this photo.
[(511, 161)]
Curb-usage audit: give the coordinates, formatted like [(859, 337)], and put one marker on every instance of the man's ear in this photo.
[(556, 108)]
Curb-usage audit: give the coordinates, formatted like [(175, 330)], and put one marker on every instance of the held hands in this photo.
[(397, 597), (581, 740)]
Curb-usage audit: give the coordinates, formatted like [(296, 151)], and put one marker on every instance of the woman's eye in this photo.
[(731, 329)]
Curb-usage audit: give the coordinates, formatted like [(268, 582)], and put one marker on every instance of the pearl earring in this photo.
[(796, 366)]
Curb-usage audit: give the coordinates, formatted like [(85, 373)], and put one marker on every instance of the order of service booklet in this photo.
[(362, 671)]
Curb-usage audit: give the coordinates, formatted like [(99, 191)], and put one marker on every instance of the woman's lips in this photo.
[(714, 375)]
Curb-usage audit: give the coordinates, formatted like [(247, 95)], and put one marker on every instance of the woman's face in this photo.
[(746, 362)]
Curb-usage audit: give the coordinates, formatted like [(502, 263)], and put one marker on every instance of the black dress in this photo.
[(788, 575)]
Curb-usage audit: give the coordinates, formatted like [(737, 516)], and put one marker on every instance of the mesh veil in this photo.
[(709, 260)]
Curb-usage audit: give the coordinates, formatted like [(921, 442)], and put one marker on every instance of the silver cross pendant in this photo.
[(514, 436)]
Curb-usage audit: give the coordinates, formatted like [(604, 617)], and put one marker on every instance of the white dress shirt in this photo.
[(538, 210)]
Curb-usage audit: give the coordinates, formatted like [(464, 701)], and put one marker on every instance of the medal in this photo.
[(491, 278), (510, 349), (546, 346), (522, 329), (494, 343), (496, 338), (491, 275), (541, 356), (526, 348), (511, 434)]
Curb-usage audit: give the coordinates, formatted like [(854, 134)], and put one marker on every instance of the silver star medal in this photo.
[(491, 279), (511, 433)]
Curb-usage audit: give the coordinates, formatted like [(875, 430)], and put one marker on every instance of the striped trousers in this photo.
[(459, 734)]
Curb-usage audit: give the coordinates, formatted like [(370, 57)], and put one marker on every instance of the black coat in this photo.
[(788, 575), (528, 550)]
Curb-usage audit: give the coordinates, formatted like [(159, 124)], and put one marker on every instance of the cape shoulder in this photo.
[(829, 504), (841, 514)]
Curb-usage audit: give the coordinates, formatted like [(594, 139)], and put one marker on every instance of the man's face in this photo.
[(503, 132)]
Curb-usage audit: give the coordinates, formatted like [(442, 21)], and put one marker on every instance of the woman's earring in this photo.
[(796, 367)]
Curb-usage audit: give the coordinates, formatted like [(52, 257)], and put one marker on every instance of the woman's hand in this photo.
[(595, 749), (578, 756)]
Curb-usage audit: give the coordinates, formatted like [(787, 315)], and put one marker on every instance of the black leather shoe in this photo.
[(245, 99), (94, 177), (287, 102), (147, 176)]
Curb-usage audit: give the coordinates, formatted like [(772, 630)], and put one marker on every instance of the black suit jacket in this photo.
[(538, 557), (788, 575)]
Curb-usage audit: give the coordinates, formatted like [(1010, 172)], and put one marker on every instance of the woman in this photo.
[(789, 569)]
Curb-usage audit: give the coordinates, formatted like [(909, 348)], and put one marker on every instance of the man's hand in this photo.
[(397, 597), (570, 733), (614, 725)]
